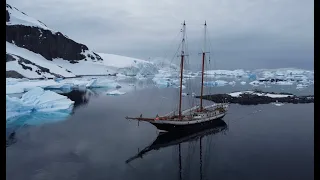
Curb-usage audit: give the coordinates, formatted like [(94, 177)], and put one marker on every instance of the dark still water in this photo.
[(252, 142)]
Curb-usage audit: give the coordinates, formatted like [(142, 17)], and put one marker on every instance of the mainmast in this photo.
[(203, 58), (181, 65)]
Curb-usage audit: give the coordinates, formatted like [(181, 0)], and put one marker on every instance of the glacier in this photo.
[(37, 100)]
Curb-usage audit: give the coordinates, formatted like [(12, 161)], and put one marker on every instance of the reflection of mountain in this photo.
[(80, 97), (10, 139)]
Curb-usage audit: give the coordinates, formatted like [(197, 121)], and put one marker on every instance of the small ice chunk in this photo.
[(278, 104), (242, 82)]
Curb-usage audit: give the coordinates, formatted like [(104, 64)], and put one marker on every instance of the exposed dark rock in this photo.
[(252, 99), (45, 42), (13, 74), (7, 16), (9, 58), (24, 63)]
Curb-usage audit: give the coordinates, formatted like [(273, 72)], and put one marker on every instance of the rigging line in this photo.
[(172, 42), (187, 67), (170, 62)]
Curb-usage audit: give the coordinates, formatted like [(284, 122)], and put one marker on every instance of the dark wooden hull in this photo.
[(186, 127)]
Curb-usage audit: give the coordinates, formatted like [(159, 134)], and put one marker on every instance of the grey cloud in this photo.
[(243, 33)]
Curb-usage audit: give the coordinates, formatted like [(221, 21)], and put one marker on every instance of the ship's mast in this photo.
[(203, 58), (181, 65)]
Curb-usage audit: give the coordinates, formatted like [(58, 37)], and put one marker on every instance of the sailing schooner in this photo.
[(195, 116)]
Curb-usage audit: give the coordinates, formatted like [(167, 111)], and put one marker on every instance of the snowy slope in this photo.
[(35, 58), (110, 64), (19, 18)]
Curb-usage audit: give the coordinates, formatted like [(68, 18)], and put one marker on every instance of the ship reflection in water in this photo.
[(168, 139)]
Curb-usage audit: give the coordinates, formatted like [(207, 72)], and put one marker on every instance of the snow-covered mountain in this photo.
[(35, 51)]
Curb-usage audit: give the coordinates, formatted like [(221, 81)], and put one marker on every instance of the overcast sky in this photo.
[(243, 33)]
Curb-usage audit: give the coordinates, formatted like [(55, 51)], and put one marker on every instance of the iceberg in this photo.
[(144, 69), (37, 100), (167, 79), (242, 82), (102, 83)]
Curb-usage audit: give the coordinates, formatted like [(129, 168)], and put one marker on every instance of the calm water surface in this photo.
[(257, 142)]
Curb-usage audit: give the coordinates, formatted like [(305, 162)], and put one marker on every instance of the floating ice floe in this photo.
[(285, 74), (301, 86), (257, 83), (242, 82), (285, 83), (13, 87), (26, 85), (215, 83), (236, 73), (37, 100), (115, 92)]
